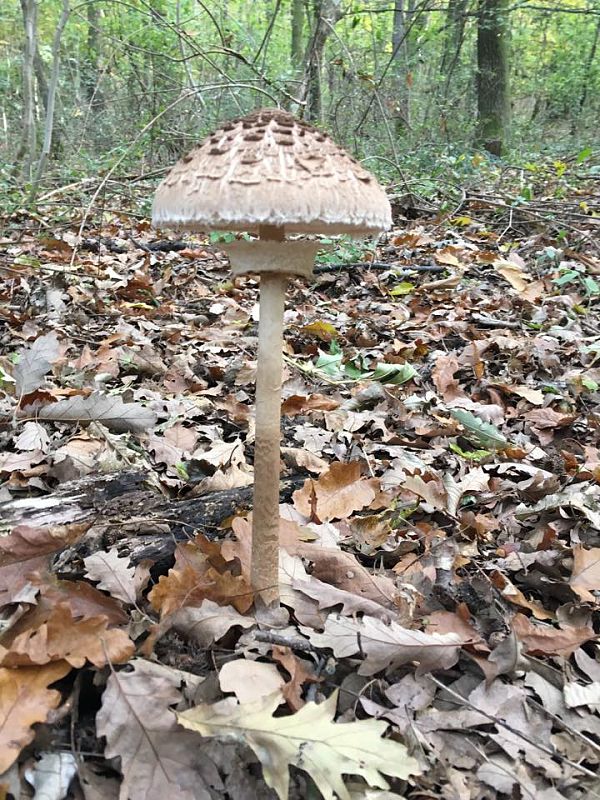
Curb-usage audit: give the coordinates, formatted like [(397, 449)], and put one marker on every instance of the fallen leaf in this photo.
[(515, 596), (115, 576), (433, 491), (51, 775), (300, 672), (548, 418), (327, 596), (447, 256), (382, 645), (24, 700), (51, 634), (35, 362), (301, 404), (208, 623), (577, 695), (15, 584), (250, 680), (583, 497), (26, 541), (337, 494), (321, 329), (309, 740), (342, 569), (158, 758), (476, 480), (111, 411), (443, 377), (193, 579), (512, 273), (540, 639), (300, 458), (585, 577), (33, 437)]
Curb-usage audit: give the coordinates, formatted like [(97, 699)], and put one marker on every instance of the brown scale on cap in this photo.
[(269, 168)]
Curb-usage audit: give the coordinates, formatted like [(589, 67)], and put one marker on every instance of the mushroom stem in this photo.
[(265, 515)]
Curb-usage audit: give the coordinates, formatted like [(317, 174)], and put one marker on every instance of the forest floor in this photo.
[(440, 533)]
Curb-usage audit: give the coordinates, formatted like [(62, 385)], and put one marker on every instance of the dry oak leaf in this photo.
[(585, 578), (446, 366), (549, 418), (539, 639), (33, 436), (515, 596), (384, 645), (27, 541), (158, 759), (581, 496), (299, 404), (51, 634), (337, 494), (24, 700), (306, 609), (327, 597), (309, 740), (300, 672), (83, 599), (432, 492), (342, 570), (512, 273), (34, 362), (115, 576), (445, 494), (250, 680), (300, 458), (198, 576), (15, 583), (111, 411), (208, 623)]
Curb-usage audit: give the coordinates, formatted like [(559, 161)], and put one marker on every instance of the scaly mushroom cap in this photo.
[(269, 168)]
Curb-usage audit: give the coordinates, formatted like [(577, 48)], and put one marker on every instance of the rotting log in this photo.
[(125, 510)]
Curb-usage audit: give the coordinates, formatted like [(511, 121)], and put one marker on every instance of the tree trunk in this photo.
[(326, 14), (40, 77), (297, 29), (51, 101), (400, 67), (92, 91), (587, 73), (453, 38), (27, 147), (493, 92)]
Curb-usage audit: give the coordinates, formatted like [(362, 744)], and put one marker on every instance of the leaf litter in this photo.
[(440, 521)]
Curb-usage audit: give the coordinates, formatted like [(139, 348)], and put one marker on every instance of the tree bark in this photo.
[(297, 12), (51, 101), (453, 38), (400, 66), (92, 91), (27, 147), (493, 89), (588, 69), (326, 14), (40, 77)]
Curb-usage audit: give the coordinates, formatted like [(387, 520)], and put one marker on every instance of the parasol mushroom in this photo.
[(272, 174)]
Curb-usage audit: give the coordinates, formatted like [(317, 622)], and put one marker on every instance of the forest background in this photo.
[(422, 90)]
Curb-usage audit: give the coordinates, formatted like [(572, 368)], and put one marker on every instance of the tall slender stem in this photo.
[(265, 519)]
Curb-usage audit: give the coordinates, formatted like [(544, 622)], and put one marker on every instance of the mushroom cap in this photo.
[(269, 168)]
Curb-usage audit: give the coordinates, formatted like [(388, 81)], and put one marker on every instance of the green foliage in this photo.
[(359, 368), (478, 431), (342, 250)]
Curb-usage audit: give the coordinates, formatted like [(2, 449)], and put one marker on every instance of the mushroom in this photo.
[(272, 174)]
